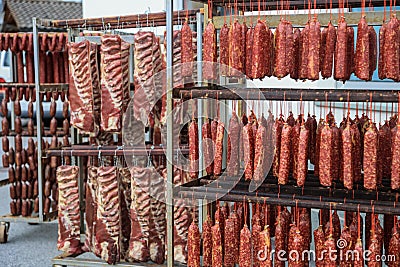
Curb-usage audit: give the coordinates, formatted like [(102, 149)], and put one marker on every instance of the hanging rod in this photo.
[(374, 18), (297, 4), (129, 21), (289, 94)]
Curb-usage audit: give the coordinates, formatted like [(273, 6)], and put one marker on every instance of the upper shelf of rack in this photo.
[(297, 4), (122, 22)]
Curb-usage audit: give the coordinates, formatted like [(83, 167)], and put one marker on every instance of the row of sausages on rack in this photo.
[(353, 152), (305, 54), (227, 240)]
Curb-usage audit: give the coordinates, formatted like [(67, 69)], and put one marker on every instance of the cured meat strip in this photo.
[(258, 46), (224, 50), (229, 244), (325, 154), (341, 58), (233, 164), (193, 150), (395, 174), (125, 193), (302, 159), (219, 148), (313, 52), (260, 160), (391, 50), (294, 72), (249, 52), (187, 51), (350, 53), (194, 245), (107, 229), (289, 49), (111, 83), (284, 157), (91, 209), (304, 46), (327, 65), (248, 151), (68, 210), (372, 50), (348, 157), (311, 125), (370, 158), (382, 53), (217, 255), (362, 68), (235, 49), (207, 242), (208, 147), (268, 52), (245, 254), (81, 83), (281, 69), (209, 52), (336, 153)]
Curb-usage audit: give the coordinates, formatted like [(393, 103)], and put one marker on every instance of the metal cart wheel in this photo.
[(4, 227)]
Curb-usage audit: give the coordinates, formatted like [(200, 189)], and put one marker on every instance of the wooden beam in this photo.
[(374, 18)]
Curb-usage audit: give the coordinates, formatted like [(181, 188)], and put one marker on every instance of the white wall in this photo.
[(103, 8)]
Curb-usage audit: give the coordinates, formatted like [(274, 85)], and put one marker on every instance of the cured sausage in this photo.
[(66, 127), (330, 246), (18, 125), (235, 49), (295, 149), (187, 53), (18, 143), (341, 62), (260, 160), (229, 243), (336, 153), (280, 237), (284, 157), (5, 144), (255, 245), (217, 255), (243, 46), (395, 174), (357, 152), (4, 108), (233, 164), (313, 50), (311, 125), (5, 127), (245, 254), (370, 158), (304, 46), (11, 175), (319, 241), (294, 72), (325, 154), (193, 245), (209, 52), (224, 50), (30, 72), (295, 244), (53, 109), (258, 46), (281, 69), (391, 50), (249, 52), (248, 151), (393, 248), (268, 52), (53, 126), (330, 45), (207, 242), (219, 148), (31, 127), (381, 59), (302, 162), (362, 56), (350, 53), (208, 150), (322, 48), (193, 150), (372, 50), (348, 157)]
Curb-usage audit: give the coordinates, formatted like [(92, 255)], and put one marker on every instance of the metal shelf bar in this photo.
[(129, 21), (289, 94)]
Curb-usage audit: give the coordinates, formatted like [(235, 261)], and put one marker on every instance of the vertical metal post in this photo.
[(38, 115), (170, 167)]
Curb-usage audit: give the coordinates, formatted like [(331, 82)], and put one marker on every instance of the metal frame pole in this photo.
[(38, 115), (170, 167)]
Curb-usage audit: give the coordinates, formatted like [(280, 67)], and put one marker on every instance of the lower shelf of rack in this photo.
[(311, 196), (88, 260), (31, 219)]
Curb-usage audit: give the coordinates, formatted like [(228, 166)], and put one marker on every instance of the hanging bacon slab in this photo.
[(209, 52)]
